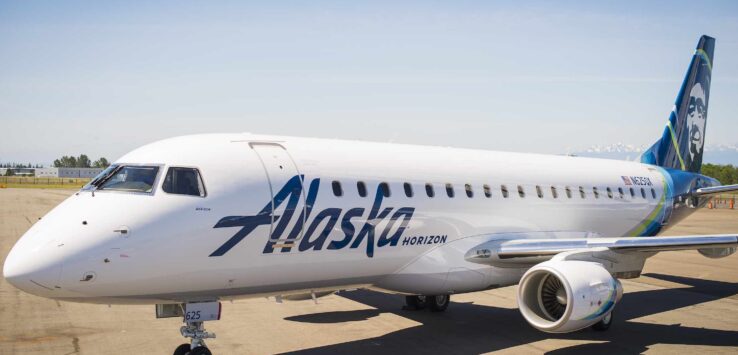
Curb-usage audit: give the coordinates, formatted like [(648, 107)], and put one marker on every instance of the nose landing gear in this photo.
[(195, 331), (194, 315)]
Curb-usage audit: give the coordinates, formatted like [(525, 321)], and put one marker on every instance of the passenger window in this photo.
[(620, 191), (183, 181), (539, 191), (385, 189), (609, 192), (595, 192), (581, 192), (469, 192), (503, 189), (337, 190), (554, 193), (408, 189), (521, 192), (643, 192), (632, 193), (568, 192), (653, 193), (450, 190), (487, 191), (429, 190), (361, 188)]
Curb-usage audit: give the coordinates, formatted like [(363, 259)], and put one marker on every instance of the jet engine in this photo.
[(564, 296)]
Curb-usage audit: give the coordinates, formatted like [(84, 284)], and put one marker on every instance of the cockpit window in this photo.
[(100, 178), (131, 178), (183, 181)]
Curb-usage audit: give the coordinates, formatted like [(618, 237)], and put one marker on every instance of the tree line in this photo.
[(82, 161), (727, 174)]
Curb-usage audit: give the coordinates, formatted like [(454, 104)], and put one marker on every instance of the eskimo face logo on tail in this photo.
[(696, 117), (315, 237)]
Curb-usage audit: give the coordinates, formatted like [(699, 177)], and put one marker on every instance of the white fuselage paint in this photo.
[(165, 255)]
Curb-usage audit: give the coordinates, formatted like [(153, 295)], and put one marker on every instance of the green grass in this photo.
[(42, 182)]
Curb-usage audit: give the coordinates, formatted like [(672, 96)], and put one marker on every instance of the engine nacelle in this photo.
[(564, 296), (717, 253)]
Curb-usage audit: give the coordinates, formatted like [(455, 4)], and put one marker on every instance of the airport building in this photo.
[(85, 173), (17, 171)]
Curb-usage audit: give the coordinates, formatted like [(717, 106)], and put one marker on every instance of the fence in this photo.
[(19, 180)]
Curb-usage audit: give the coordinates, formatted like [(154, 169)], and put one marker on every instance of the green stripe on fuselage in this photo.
[(651, 218)]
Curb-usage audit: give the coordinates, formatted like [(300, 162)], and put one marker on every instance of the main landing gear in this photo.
[(437, 303), (604, 324)]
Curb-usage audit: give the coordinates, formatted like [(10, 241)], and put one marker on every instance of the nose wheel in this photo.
[(185, 349), (196, 332)]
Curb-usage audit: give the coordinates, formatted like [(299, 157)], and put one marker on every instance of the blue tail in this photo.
[(681, 145)]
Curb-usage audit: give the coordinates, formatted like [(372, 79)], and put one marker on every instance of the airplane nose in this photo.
[(32, 272)]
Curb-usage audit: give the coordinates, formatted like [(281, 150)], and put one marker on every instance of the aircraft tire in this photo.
[(183, 349), (416, 302), (604, 324), (438, 303), (201, 350)]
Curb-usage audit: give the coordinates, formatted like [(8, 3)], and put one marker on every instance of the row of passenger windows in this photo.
[(487, 190)]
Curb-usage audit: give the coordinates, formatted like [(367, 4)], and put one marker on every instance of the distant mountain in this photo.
[(617, 151), (721, 154), (715, 154)]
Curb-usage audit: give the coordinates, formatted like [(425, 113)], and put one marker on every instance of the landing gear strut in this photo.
[(195, 331), (194, 315)]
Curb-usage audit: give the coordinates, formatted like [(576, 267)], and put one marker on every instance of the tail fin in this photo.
[(681, 145)]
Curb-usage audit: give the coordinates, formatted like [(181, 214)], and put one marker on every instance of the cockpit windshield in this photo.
[(130, 178), (99, 178)]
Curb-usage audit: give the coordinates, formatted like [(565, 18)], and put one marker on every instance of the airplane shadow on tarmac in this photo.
[(467, 328)]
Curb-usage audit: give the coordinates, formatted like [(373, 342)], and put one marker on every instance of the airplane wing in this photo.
[(706, 191), (629, 250)]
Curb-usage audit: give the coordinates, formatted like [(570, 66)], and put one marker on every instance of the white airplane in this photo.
[(187, 222)]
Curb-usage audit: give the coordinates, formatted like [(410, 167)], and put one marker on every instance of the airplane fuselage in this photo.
[(284, 215)]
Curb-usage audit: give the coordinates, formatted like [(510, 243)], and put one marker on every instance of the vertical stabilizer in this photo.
[(682, 143)]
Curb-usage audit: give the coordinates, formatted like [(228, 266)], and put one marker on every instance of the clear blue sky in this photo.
[(103, 78)]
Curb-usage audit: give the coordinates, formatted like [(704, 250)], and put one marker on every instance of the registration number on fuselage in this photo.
[(637, 180)]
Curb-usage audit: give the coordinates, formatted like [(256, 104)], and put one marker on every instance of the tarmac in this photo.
[(683, 303)]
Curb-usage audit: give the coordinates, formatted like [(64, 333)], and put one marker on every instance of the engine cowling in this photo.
[(564, 296)]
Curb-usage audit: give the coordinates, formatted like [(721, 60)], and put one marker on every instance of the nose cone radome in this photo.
[(32, 270)]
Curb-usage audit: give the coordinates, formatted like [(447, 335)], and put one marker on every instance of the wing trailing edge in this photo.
[(522, 252)]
